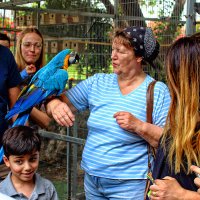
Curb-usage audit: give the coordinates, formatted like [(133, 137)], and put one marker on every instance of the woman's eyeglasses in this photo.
[(28, 45)]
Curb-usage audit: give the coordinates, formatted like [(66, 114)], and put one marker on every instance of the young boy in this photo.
[(21, 154)]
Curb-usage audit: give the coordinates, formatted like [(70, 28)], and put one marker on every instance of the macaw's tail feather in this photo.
[(1, 154), (22, 118), (23, 91), (16, 108), (24, 103)]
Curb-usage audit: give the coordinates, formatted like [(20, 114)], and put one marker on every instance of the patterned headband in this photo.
[(144, 42)]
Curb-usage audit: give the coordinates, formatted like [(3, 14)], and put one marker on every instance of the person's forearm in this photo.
[(40, 117), (66, 100), (150, 132), (55, 101)]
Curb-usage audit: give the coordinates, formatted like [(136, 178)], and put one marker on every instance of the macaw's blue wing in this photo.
[(35, 95), (57, 62), (57, 82), (22, 118), (27, 102)]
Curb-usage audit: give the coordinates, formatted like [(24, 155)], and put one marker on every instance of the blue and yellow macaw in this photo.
[(49, 81)]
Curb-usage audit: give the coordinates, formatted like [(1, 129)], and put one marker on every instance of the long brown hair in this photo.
[(18, 55), (183, 76)]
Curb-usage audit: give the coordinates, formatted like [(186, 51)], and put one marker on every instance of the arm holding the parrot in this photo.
[(62, 110), (40, 117)]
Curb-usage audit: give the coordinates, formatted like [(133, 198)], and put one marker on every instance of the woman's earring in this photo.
[(139, 59)]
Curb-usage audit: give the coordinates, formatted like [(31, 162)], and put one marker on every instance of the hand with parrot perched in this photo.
[(48, 81)]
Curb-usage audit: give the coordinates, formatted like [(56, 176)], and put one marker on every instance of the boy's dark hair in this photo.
[(20, 140), (4, 37)]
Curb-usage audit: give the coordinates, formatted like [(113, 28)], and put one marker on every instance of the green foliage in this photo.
[(73, 4), (61, 188), (160, 8), (197, 27)]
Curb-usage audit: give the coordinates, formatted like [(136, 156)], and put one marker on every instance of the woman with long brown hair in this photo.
[(180, 144)]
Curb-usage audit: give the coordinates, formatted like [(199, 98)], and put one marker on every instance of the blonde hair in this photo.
[(182, 134), (18, 55)]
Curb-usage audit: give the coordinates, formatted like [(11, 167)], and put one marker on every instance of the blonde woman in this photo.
[(30, 58), (29, 52), (180, 145)]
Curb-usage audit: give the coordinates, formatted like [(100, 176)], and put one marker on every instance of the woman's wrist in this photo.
[(150, 132), (51, 103)]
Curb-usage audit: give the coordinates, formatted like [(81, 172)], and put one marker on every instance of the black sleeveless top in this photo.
[(162, 169)]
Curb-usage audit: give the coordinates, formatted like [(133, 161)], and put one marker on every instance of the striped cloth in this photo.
[(110, 151)]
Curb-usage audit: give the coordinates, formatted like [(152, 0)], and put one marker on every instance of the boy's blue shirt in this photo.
[(43, 190)]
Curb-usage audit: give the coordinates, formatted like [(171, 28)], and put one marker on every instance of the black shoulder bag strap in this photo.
[(149, 111)]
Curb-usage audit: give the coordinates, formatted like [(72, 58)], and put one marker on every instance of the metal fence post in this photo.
[(116, 14), (74, 183), (190, 18), (68, 167)]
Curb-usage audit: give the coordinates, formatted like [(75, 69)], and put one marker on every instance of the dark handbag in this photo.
[(149, 111)]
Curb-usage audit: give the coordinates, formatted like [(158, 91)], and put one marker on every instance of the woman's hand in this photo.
[(30, 69), (196, 180), (60, 112), (128, 121), (150, 132), (167, 189)]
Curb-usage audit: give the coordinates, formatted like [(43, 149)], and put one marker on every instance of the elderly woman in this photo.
[(115, 156)]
